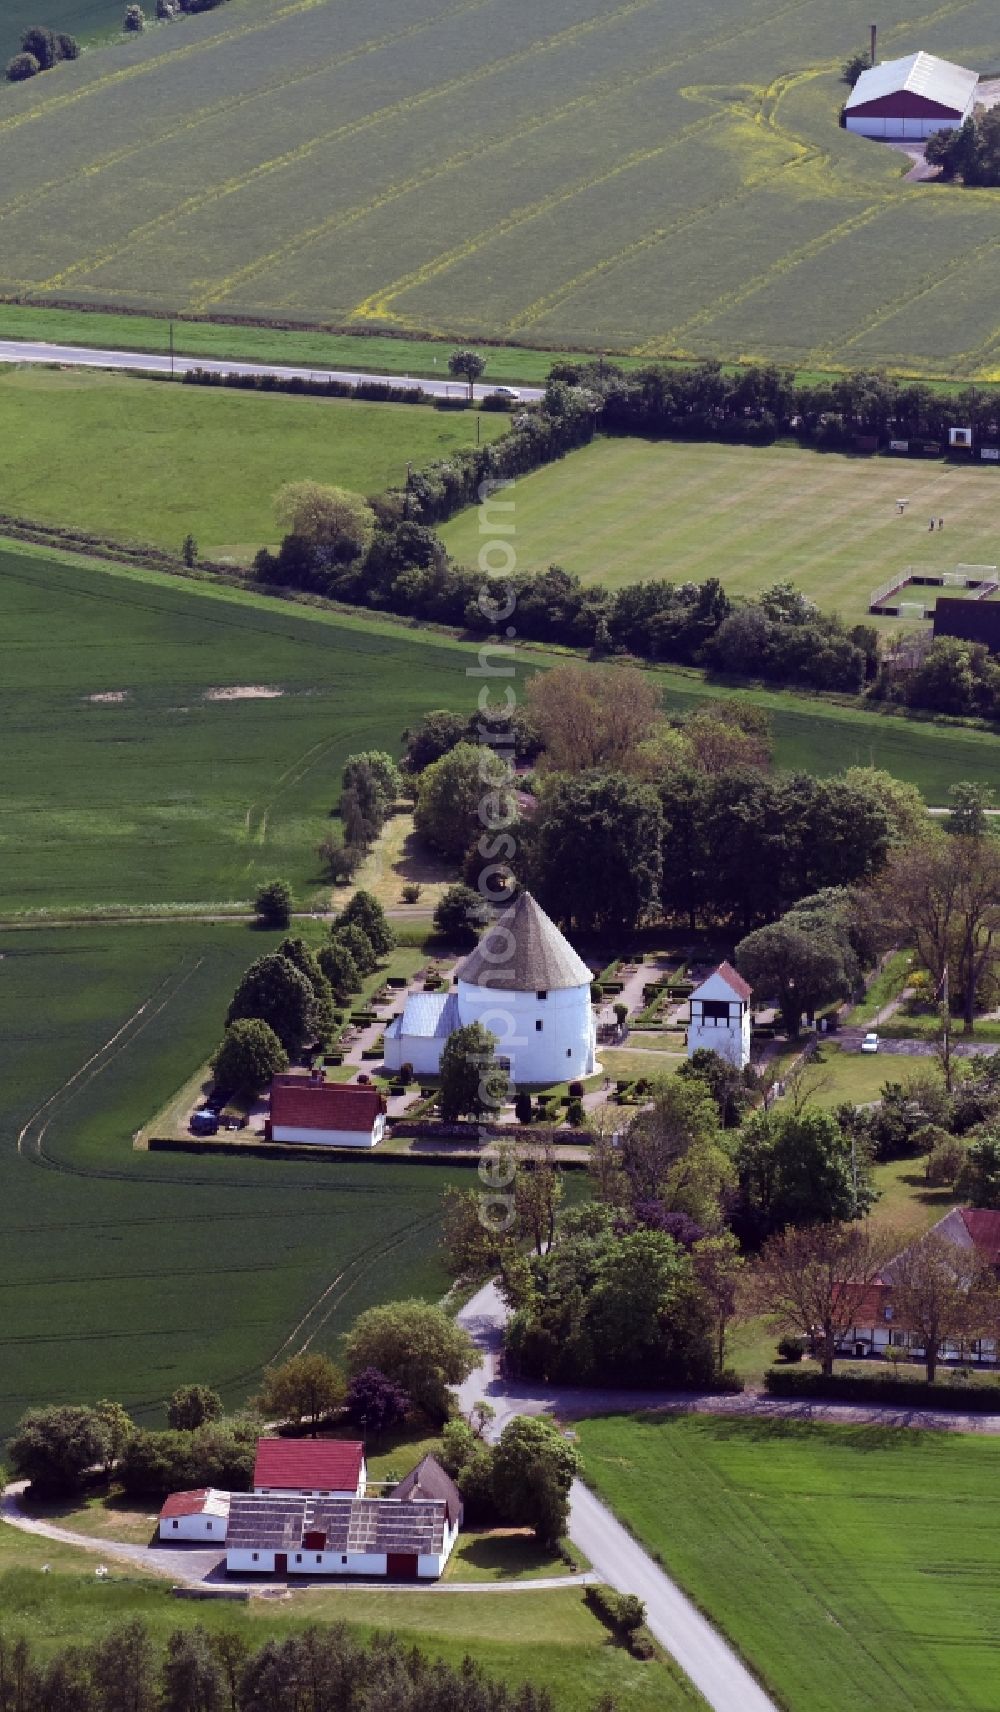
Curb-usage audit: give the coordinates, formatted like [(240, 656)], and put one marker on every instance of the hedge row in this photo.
[(946, 1393)]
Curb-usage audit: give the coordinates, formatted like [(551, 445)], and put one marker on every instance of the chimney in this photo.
[(874, 40)]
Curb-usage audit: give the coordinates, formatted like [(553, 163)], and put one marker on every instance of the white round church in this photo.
[(526, 984)]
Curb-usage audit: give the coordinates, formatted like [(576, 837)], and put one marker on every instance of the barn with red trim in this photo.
[(904, 99)]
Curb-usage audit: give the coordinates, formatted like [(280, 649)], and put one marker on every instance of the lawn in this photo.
[(126, 1273), (853, 1567), (149, 461), (549, 1638), (621, 511), (653, 176), (166, 794)]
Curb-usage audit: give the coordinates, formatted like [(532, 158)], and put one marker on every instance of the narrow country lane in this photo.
[(707, 1659)]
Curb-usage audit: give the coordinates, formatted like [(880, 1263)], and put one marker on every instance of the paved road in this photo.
[(82, 356), (700, 1651)]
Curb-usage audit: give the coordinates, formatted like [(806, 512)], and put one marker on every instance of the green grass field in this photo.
[(124, 1273), (853, 1567), (147, 461), (621, 511), (554, 1641), (648, 175), (168, 795)]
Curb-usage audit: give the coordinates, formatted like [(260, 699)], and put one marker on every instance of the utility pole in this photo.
[(171, 350), (478, 420)]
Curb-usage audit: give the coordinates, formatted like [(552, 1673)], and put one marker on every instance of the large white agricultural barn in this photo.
[(526, 984), (907, 99)]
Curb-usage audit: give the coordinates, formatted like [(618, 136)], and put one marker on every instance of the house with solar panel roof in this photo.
[(526, 984)]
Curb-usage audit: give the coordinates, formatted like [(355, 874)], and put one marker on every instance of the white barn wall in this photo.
[(210, 1528)]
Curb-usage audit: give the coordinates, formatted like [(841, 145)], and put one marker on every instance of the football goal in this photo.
[(912, 609)]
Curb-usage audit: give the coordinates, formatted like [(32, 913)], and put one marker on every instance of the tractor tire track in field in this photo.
[(30, 1140), (232, 103), (56, 103), (375, 307), (303, 151), (611, 88), (256, 818), (913, 294)]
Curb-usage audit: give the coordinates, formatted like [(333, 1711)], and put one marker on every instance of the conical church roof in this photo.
[(524, 952)]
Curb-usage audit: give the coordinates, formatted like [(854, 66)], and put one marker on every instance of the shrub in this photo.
[(55, 1447), (411, 892), (887, 1388), (946, 1155), (134, 21), (21, 67), (574, 1113), (791, 1348), (68, 46), (576, 1090), (623, 1613), (406, 1073)]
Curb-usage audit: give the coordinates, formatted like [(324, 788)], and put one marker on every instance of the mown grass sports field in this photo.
[(624, 510), (853, 1567), (150, 461), (651, 174)]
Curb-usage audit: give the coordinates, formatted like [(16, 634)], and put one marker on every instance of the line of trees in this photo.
[(128, 1669), (41, 49)]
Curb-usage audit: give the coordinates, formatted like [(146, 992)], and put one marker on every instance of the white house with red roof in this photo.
[(879, 1325), (312, 1468), (720, 1016), (325, 1114), (201, 1515)]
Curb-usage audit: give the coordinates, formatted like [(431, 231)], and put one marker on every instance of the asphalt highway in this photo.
[(159, 362)]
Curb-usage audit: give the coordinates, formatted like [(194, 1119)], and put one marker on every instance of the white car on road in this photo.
[(870, 1043)]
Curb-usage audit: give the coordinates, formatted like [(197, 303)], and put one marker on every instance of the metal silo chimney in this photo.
[(874, 40)]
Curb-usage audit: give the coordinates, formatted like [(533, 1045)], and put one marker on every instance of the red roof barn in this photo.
[(911, 97), (323, 1468)]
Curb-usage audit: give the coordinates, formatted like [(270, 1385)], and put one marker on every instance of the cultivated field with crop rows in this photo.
[(651, 175)]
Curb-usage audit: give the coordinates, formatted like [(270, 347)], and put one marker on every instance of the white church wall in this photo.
[(563, 1049)]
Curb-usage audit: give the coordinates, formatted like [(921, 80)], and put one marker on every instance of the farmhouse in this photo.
[(310, 1468), (329, 1114), (970, 620), (409, 1535), (526, 984), (911, 97), (720, 1016), (201, 1515), (879, 1326)]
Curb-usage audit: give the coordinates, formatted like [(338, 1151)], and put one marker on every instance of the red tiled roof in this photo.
[(733, 980), (308, 1465), (302, 1104), (185, 1503), (983, 1226)]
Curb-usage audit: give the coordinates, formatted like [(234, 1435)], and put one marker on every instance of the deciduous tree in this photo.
[(304, 1388), (250, 1054), (279, 994), (469, 365), (54, 1447), (326, 517), (815, 1280), (460, 915), (472, 1082), (941, 1292), (374, 1402), (192, 1406), (418, 1346), (593, 718), (533, 1470), (273, 904)]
